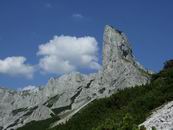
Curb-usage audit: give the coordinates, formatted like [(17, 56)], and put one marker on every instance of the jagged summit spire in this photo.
[(116, 46), (108, 27)]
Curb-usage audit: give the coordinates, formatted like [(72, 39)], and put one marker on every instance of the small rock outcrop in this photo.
[(66, 95)]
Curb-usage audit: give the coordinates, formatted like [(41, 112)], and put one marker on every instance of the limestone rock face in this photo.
[(116, 47), (161, 119), (120, 69), (66, 95)]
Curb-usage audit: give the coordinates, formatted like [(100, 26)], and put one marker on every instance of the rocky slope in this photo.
[(66, 95), (161, 119)]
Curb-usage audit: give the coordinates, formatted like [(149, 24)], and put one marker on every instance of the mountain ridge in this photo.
[(63, 96)]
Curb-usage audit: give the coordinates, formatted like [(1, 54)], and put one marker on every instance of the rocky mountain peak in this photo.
[(116, 47), (66, 95)]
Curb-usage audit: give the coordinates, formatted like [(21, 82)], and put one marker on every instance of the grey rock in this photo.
[(66, 95), (161, 118)]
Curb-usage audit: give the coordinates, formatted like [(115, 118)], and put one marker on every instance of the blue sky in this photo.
[(26, 25)]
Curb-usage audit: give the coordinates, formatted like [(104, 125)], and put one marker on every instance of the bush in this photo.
[(168, 64)]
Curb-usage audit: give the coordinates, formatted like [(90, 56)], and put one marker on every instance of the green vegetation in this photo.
[(16, 111), (30, 111), (168, 64), (39, 125), (60, 109), (124, 110), (51, 101)]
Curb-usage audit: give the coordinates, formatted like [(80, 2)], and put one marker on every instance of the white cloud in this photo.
[(66, 53), (16, 66), (29, 87), (77, 16)]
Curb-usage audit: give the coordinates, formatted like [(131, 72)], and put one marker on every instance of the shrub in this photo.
[(168, 64)]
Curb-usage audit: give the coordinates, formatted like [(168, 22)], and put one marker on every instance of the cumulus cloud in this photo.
[(16, 66), (66, 53)]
